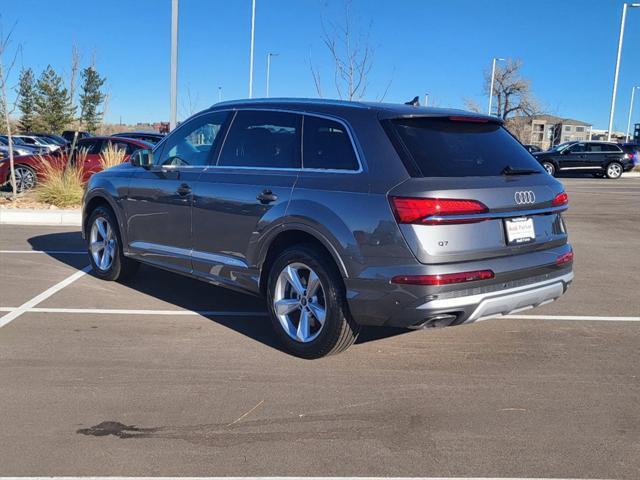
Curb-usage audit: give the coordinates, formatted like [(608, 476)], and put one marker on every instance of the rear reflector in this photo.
[(566, 258), (415, 210), (561, 199), (443, 279)]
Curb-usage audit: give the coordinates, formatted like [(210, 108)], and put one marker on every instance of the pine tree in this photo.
[(91, 98), (53, 103), (27, 101)]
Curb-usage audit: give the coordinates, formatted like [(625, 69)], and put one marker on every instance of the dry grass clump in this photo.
[(59, 184), (112, 156)]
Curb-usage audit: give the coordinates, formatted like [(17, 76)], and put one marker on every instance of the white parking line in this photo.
[(48, 252), (572, 318), (120, 311), (9, 317)]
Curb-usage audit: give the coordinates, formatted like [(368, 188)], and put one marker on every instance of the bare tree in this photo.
[(472, 105), (352, 56), (4, 76), (511, 91), (189, 103)]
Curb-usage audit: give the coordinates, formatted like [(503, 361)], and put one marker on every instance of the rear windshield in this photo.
[(439, 147)]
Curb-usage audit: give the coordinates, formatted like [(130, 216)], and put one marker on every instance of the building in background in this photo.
[(603, 135), (546, 131)]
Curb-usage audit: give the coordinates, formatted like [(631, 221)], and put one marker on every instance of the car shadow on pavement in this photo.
[(243, 313)]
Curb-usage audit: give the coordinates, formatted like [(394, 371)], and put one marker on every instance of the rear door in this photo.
[(475, 192), (158, 206), (250, 185)]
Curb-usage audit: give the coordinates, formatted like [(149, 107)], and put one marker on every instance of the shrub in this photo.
[(112, 156), (59, 184)]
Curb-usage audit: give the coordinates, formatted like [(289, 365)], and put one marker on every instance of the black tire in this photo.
[(120, 267), (550, 168), (339, 330), (614, 170)]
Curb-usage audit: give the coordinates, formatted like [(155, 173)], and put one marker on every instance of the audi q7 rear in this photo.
[(342, 215)]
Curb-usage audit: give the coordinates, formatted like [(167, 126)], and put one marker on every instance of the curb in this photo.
[(631, 174), (25, 216)]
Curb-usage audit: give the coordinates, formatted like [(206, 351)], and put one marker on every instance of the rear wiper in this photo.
[(509, 170)]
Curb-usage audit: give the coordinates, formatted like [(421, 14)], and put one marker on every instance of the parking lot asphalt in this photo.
[(129, 379)]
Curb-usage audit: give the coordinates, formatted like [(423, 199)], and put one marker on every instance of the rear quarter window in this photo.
[(327, 145), (440, 147)]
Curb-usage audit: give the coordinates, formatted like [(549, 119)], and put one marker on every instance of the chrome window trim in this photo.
[(356, 150)]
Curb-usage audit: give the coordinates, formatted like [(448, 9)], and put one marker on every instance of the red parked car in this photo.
[(29, 168)]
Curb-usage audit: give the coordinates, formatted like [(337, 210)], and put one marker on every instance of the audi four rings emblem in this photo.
[(525, 197)]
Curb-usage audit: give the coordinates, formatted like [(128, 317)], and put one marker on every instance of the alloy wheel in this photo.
[(25, 179), (614, 170), (102, 243), (549, 168), (299, 302)]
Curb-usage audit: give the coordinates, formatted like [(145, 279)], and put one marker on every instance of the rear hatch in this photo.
[(475, 192)]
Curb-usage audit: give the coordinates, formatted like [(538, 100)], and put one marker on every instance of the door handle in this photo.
[(184, 190), (266, 196)]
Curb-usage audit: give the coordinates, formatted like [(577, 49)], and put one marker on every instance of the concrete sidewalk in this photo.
[(28, 216)]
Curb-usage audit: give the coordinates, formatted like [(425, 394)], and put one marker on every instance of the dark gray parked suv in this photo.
[(341, 214)]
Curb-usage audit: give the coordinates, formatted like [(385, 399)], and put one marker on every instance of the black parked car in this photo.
[(599, 158), (149, 137), (68, 135), (532, 148)]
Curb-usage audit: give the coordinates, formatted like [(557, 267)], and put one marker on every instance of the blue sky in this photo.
[(441, 47)]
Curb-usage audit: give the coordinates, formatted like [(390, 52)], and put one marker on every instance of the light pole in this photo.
[(633, 91), (219, 94), (269, 55), (615, 75), (253, 27), (426, 99), (174, 64), (493, 77)]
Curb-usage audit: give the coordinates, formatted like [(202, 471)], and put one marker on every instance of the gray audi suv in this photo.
[(341, 214)]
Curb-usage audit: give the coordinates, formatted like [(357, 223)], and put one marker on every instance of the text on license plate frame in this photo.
[(519, 230)]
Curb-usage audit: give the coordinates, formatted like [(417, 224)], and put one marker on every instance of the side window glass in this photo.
[(595, 148), (327, 145), (578, 148), (91, 147), (191, 144), (263, 139)]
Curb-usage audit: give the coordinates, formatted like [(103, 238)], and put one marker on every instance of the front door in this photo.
[(158, 206)]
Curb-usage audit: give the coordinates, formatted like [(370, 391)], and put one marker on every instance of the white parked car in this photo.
[(38, 142)]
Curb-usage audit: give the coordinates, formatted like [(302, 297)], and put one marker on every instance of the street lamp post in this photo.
[(426, 99), (615, 75), (633, 91), (219, 94), (269, 55), (493, 77), (253, 25), (174, 64)]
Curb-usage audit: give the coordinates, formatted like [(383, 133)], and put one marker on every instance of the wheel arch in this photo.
[(96, 200), (284, 238)]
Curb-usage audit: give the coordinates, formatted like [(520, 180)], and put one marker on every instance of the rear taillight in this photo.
[(443, 279), (565, 258), (560, 200), (417, 210)]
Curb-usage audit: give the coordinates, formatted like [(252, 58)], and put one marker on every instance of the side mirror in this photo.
[(142, 158), (566, 151)]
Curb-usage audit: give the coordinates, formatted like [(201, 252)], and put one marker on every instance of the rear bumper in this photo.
[(478, 307), (521, 282)]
